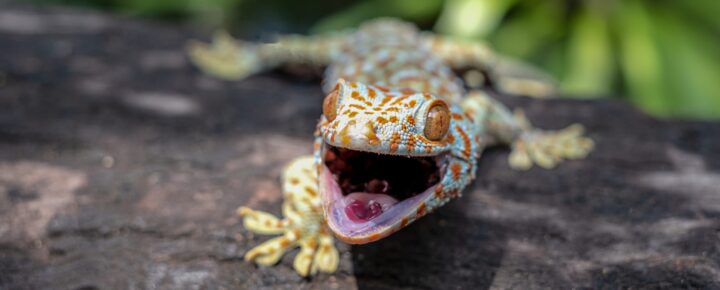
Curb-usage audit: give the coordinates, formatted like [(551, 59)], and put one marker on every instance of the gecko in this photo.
[(399, 135)]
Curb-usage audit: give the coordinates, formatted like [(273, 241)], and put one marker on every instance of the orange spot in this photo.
[(352, 114), (359, 107), (457, 116), (344, 134), (393, 119), (427, 96), (455, 168), (355, 95), (411, 104), (310, 191), (381, 120), (294, 181), (377, 108), (394, 141), (312, 242), (410, 120), (325, 248), (404, 222), (284, 243), (393, 109), (439, 193), (385, 100), (371, 93), (467, 147), (398, 100), (411, 143), (382, 89), (421, 210)]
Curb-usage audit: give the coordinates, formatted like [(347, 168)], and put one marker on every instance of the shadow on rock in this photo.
[(433, 253)]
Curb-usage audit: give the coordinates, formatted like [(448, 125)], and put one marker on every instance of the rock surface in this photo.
[(121, 167)]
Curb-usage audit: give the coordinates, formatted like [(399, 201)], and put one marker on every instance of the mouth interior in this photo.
[(372, 183)]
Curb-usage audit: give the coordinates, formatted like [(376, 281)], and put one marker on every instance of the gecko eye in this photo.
[(437, 121), (330, 105)]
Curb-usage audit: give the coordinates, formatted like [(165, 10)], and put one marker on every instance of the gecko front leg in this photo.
[(231, 59), (529, 145), (302, 226)]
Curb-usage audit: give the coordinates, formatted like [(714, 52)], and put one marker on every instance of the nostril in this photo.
[(371, 135)]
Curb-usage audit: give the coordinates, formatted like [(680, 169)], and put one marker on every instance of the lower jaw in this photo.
[(360, 232)]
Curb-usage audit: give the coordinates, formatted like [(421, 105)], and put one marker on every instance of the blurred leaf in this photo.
[(411, 10), (536, 24), (640, 60), (693, 65), (471, 18), (704, 12), (589, 59)]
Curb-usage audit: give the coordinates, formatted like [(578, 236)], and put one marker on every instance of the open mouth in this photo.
[(366, 193)]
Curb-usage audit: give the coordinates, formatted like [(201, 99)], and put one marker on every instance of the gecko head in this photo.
[(387, 158)]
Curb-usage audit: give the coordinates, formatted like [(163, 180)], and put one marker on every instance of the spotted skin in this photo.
[(386, 76)]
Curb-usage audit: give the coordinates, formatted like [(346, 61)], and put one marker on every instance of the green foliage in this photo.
[(663, 56)]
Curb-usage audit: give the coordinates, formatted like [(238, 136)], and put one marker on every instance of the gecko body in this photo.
[(399, 136)]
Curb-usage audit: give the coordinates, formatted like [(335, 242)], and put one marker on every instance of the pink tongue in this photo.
[(363, 206)]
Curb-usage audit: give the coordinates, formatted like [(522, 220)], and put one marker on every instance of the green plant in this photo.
[(663, 56)]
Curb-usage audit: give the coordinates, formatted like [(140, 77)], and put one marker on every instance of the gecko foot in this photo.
[(317, 250), (548, 148), (303, 224), (225, 57)]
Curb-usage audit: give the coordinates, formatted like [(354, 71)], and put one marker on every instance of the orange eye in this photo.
[(330, 105), (437, 121)]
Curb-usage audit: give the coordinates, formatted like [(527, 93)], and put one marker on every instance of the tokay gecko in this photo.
[(399, 136)]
